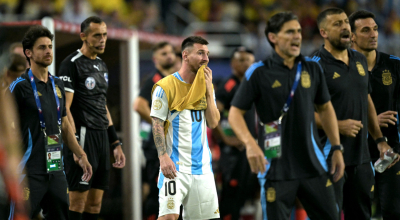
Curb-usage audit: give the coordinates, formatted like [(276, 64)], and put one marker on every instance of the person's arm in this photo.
[(328, 121), (348, 127), (70, 140), (69, 97), (254, 153), (211, 113), (141, 106), (119, 155)]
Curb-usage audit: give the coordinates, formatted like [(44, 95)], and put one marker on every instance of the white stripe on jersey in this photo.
[(76, 56)]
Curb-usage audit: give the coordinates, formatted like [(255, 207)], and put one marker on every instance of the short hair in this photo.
[(276, 22), (13, 46), (86, 23), (34, 33), (330, 11), (16, 63), (160, 46), (190, 41), (241, 49), (361, 14)]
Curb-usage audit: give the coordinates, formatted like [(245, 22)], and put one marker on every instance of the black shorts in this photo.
[(316, 194), (387, 185), (96, 146), (48, 192)]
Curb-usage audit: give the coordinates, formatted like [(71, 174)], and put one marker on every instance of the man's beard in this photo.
[(168, 65), (339, 45), (41, 63)]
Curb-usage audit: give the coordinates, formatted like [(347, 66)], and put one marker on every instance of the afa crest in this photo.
[(386, 78), (271, 194), (171, 203), (360, 69), (58, 92), (157, 105), (305, 79), (26, 193)]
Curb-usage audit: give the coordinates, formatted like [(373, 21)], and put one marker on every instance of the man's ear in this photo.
[(323, 33), (28, 53), (272, 37), (82, 36)]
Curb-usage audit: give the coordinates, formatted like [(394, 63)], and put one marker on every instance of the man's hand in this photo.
[(387, 118), (383, 147), (86, 167), (167, 166), (337, 168), (119, 157), (208, 76), (256, 158), (349, 127)]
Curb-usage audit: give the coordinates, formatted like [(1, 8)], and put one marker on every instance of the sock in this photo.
[(74, 215), (90, 216)]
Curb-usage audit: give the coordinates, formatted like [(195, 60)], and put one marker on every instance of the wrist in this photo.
[(116, 144), (381, 140), (339, 147)]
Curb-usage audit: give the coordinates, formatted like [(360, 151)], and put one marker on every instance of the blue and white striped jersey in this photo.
[(186, 140)]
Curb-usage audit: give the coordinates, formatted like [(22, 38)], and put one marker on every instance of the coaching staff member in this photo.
[(384, 73), (348, 82), (40, 100), (301, 170), (85, 78)]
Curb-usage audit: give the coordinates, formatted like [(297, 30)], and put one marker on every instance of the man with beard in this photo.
[(348, 83), (44, 125), (384, 71), (301, 170), (85, 78), (238, 183), (183, 105), (164, 60)]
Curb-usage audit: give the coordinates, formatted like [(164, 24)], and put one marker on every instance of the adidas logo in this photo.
[(276, 84), (216, 212), (373, 188), (336, 75), (329, 183)]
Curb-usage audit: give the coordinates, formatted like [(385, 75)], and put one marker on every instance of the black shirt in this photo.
[(385, 83), (88, 80), (225, 93), (268, 85), (349, 88), (149, 147), (32, 134)]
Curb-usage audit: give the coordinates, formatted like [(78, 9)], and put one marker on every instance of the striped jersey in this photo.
[(186, 140)]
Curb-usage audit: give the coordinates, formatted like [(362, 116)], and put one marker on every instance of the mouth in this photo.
[(295, 45), (345, 36), (101, 47)]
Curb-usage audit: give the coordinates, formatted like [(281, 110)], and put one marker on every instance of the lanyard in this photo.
[(291, 94), (39, 106)]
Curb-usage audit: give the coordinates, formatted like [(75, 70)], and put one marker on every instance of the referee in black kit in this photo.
[(288, 85), (348, 82), (40, 100), (384, 72), (85, 78)]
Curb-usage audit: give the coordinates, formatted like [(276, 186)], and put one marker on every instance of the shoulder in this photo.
[(255, 67), (20, 83), (357, 55), (72, 57), (392, 58), (313, 62), (58, 82)]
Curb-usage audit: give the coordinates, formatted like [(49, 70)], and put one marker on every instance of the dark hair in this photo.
[(34, 33), (13, 46), (188, 42), (362, 14), (241, 49), (330, 11), (160, 46), (86, 23), (275, 23)]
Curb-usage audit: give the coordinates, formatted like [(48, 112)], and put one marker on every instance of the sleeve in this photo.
[(68, 74), (62, 90), (247, 91), (322, 95), (159, 105), (16, 93), (145, 91)]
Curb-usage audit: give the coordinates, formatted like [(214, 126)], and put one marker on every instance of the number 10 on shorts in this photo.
[(170, 188)]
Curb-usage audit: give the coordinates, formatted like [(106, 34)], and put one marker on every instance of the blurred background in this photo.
[(226, 24)]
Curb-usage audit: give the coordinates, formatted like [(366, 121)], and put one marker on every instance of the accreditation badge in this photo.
[(272, 139), (53, 147)]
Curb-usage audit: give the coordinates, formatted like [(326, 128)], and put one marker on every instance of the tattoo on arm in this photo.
[(159, 137)]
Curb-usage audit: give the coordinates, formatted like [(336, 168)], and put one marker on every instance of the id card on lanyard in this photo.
[(52, 142), (273, 130)]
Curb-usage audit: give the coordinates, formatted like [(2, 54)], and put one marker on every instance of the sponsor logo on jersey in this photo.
[(106, 77), (276, 84), (96, 67), (360, 69), (217, 211), (271, 194), (305, 79), (336, 75), (90, 83), (386, 78), (328, 183), (65, 78)]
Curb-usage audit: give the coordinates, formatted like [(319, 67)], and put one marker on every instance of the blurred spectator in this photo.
[(16, 67), (76, 11)]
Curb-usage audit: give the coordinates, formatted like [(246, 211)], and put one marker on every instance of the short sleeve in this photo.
[(322, 95), (247, 91), (159, 105), (68, 74)]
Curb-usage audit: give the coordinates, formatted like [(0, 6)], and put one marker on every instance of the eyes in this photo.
[(339, 23)]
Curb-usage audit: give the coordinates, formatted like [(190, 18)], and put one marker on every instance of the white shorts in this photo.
[(197, 194)]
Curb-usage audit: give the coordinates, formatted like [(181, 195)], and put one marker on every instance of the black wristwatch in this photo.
[(381, 139), (337, 147)]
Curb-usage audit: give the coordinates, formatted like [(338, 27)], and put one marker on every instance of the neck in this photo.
[(240, 77), (186, 74), (338, 54), (87, 52), (287, 60), (40, 72), (165, 72), (370, 55)]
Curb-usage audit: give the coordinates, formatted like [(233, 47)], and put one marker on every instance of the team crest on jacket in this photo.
[(90, 83), (305, 79), (106, 77), (360, 69), (386, 78), (58, 92), (271, 194)]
